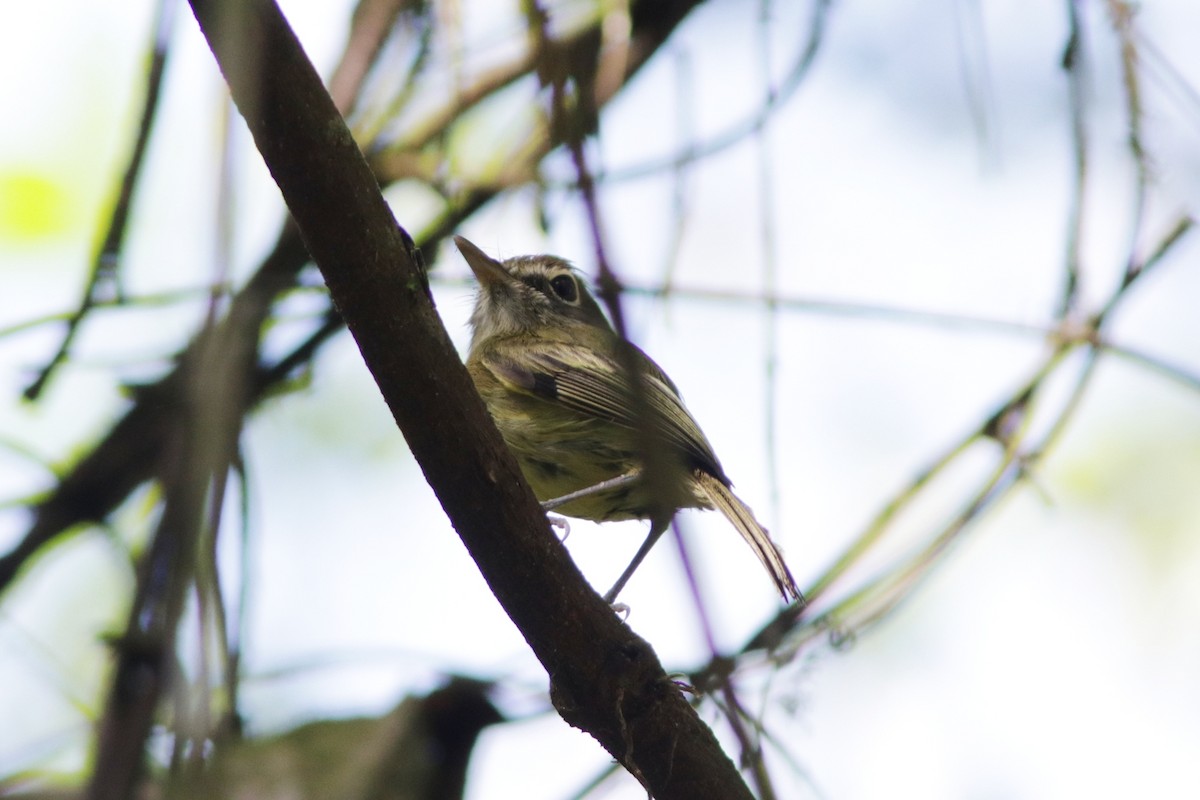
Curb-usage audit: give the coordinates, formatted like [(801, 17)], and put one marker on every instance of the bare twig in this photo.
[(1075, 62), (1121, 18), (770, 260), (973, 67), (803, 64), (201, 440), (106, 262), (794, 626)]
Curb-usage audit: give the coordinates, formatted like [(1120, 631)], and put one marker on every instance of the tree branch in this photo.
[(125, 457), (604, 679)]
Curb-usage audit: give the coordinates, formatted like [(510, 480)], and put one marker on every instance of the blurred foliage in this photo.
[(33, 207), (452, 115)]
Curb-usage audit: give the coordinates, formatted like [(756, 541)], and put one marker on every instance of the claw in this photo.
[(560, 522), (620, 609)]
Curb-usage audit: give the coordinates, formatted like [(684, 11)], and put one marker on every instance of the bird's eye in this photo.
[(565, 287)]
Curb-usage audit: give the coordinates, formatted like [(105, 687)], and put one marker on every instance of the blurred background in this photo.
[(929, 259)]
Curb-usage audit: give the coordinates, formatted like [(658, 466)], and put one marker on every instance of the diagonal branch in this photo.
[(124, 458), (604, 679)]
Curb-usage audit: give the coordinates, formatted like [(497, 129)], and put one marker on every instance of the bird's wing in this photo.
[(597, 385)]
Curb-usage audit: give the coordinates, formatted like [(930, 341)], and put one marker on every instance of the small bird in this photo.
[(555, 377)]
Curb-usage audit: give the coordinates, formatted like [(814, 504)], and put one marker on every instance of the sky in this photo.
[(1059, 634)]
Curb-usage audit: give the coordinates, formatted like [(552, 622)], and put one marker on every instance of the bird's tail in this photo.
[(738, 513)]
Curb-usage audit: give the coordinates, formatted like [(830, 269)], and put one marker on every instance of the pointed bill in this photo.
[(488, 271)]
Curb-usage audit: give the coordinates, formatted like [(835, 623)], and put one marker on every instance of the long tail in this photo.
[(755, 534)]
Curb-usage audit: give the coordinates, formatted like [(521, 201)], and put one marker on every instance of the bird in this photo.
[(599, 431)]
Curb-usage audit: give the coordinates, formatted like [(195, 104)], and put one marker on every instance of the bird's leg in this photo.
[(657, 528), (602, 486)]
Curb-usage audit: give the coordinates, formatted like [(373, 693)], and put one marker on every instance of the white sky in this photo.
[(1053, 654)]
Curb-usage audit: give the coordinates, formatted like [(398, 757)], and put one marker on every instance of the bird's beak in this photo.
[(488, 271)]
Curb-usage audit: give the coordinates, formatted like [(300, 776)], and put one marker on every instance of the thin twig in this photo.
[(800, 70), (770, 262), (1121, 18), (106, 262), (971, 41), (1075, 62)]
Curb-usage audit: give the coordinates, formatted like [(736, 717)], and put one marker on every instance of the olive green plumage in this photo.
[(551, 371)]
